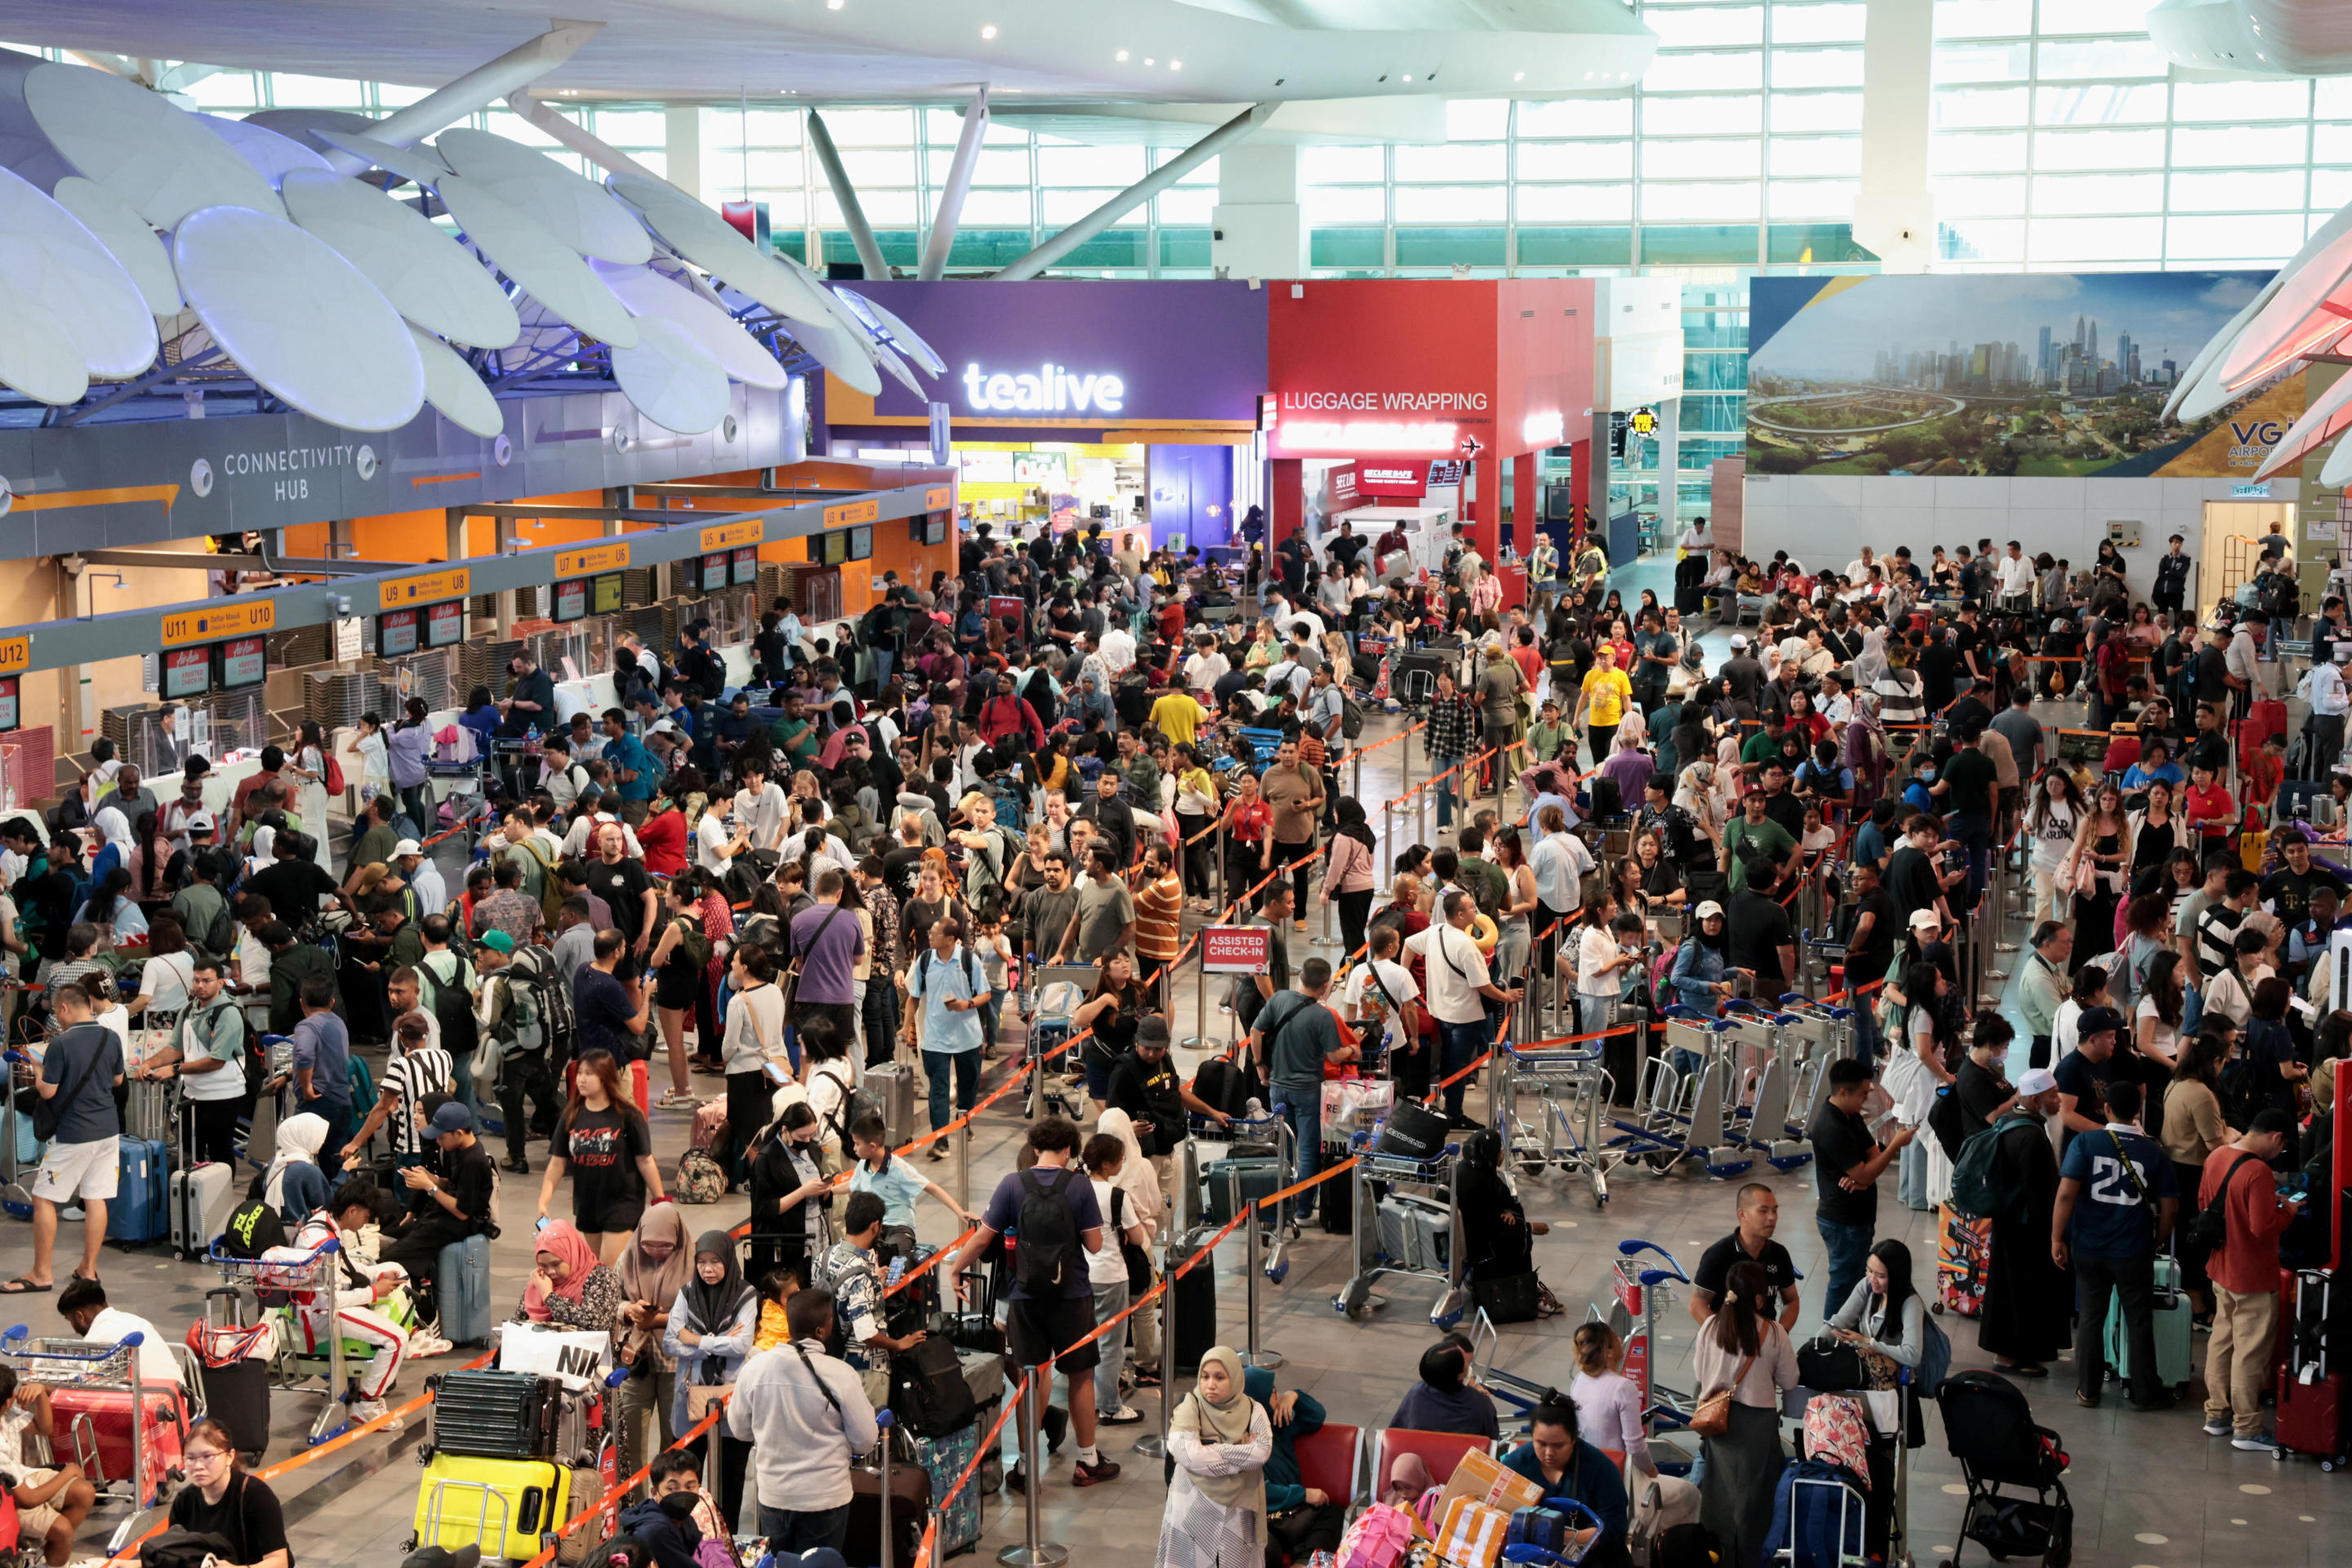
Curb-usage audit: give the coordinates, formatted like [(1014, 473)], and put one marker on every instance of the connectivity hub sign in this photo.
[(1049, 388)]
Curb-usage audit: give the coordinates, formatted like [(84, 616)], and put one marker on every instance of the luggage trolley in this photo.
[(1573, 1090), (1815, 1483), (1758, 1095), (89, 1378), (1680, 1119), (1826, 1031), (277, 1282), (1640, 1287), (16, 1193), (1437, 1256)]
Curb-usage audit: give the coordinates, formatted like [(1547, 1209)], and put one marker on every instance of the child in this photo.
[(995, 955), (1219, 1440), (51, 1504), (1918, 794), (891, 1178), (777, 1287), (375, 758)]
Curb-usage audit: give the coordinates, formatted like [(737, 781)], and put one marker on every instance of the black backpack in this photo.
[(2245, 1088), (453, 1007), (1222, 1085), (1046, 1248), (254, 1226), (2209, 1227)]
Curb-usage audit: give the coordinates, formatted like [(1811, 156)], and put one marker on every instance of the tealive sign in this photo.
[(1049, 389)]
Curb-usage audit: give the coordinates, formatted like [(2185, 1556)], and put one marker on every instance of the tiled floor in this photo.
[(2148, 1489)]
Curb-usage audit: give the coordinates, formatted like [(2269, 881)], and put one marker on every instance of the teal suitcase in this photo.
[(1226, 1183), (2174, 1339)]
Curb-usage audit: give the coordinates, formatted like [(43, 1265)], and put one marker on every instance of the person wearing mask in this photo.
[(2245, 1271), (1744, 1361), (711, 1323), (1559, 1458), (1849, 1160), (1757, 1210), (653, 1270), (220, 1499), (806, 1416), (672, 1523), (2109, 1232)]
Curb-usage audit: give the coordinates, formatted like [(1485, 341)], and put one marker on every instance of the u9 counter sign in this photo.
[(1237, 950)]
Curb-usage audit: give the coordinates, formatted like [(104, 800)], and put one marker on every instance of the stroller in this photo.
[(1991, 1431)]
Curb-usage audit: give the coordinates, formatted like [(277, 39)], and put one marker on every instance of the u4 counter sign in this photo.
[(1237, 950)]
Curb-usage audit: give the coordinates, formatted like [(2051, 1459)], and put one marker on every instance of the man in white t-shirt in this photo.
[(761, 807), (1459, 990), (1381, 993), (1602, 957), (715, 848), (1117, 650), (82, 1303), (1206, 668), (209, 1043)]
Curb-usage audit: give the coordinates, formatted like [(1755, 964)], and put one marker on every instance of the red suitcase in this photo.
[(93, 1430), (2310, 1418)]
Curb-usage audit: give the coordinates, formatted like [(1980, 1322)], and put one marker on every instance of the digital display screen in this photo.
[(936, 529), (8, 703), (714, 572), (571, 599), (746, 567), (187, 672), (607, 597), (836, 547), (445, 625), (244, 662), (861, 542), (396, 632)]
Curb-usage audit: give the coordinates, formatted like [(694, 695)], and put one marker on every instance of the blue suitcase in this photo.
[(944, 1459), (463, 1285), (140, 1212)]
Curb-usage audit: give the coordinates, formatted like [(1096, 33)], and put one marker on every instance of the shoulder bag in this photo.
[(50, 1114), (1711, 1418)]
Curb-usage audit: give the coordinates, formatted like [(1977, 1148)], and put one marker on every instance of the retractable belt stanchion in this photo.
[(1034, 1552), (1200, 1036), (1253, 1354), (1154, 1445), (1223, 896), (882, 1451), (963, 1166)]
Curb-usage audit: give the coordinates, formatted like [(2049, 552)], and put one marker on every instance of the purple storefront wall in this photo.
[(1192, 494)]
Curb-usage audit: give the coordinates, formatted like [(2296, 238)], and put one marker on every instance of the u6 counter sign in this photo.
[(1237, 950)]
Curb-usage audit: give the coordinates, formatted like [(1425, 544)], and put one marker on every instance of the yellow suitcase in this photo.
[(503, 1506)]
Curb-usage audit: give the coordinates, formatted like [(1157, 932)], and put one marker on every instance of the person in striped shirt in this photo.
[(417, 1068), (1158, 919)]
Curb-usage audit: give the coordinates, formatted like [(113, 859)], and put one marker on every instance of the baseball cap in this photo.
[(1152, 1032), (452, 1116), (407, 847), (2099, 1021), (498, 940), (2037, 1080), (1921, 919), (1708, 911), (1739, 641), (202, 821)]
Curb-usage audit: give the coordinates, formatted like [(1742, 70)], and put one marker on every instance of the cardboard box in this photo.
[(1484, 1480)]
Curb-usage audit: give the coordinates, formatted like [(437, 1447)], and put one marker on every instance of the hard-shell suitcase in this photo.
[(942, 1460), (1226, 1185), (1415, 1233), (892, 1085), (503, 1506), (497, 1414), (237, 1396), (1192, 1315), (93, 1430), (147, 1110), (1962, 1249), (463, 1285), (910, 1502), (2311, 1418), (138, 1214), (2175, 1364), (1818, 1515), (201, 1198)]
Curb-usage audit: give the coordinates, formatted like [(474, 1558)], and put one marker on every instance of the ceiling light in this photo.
[(1175, 65), (1121, 55), (1148, 60), (1518, 76), (1407, 76), (988, 30)]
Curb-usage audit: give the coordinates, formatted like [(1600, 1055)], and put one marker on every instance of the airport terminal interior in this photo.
[(1204, 782)]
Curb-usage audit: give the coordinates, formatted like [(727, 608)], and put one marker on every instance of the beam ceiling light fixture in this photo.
[(63, 269), (127, 237), (159, 159), (429, 276)]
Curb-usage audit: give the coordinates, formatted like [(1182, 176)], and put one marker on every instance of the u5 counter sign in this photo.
[(1237, 950)]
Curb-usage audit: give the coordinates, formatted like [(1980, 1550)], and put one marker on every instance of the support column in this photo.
[(1670, 451), (1285, 507), (682, 148), (1592, 478), (1526, 501), (1894, 215), (455, 520), (941, 239), (1209, 146), (476, 90), (1257, 228), (861, 232), (1482, 504)]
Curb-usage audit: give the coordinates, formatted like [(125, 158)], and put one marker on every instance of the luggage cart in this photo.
[(16, 1192), (1047, 1095), (1767, 1050), (1825, 1032), (279, 1283), (1432, 1177), (1572, 1089), (1638, 1286), (82, 1366), (1680, 1119), (1890, 1438)]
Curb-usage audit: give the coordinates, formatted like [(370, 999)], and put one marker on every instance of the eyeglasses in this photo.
[(202, 1456)]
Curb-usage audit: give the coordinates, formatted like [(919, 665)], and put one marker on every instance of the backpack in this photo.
[(2244, 1084), (550, 996), (692, 942), (1351, 713), (2209, 1227), (551, 886), (451, 1005), (1046, 1249), (520, 1026), (254, 1226), (334, 773), (699, 1178), (1935, 1358), (219, 936), (1981, 1185)]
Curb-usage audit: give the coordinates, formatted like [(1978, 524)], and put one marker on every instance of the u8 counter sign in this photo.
[(1237, 950)]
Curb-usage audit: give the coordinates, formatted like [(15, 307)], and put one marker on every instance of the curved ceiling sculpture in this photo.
[(362, 302)]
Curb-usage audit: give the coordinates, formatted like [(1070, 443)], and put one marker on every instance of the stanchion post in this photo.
[(963, 1165), (1223, 898), (1200, 1002), (1154, 1445), (1034, 1552), (882, 1456), (1404, 763), (1356, 784), (1253, 1354)]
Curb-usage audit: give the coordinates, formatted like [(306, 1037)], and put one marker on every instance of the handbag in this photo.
[(1711, 1418), (702, 1398), (1512, 1298)]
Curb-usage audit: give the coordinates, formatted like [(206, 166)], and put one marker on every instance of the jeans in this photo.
[(1301, 1105), (790, 1529), (966, 1068), (519, 1076), (338, 1113), (412, 802), (1866, 1043), (1849, 1249), (1974, 831), (1911, 1176), (1110, 1300), (2238, 1357), (1462, 1044), (1445, 792), (2134, 1279)]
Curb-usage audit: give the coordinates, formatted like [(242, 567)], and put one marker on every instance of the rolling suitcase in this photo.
[(1191, 1312), (1415, 1233), (497, 1414), (941, 1460), (2174, 1362), (910, 1504), (499, 1505), (138, 1214), (201, 1198), (1962, 1247), (93, 1430), (462, 1282), (147, 1110), (1227, 1185), (892, 1087), (237, 1396), (2310, 1391)]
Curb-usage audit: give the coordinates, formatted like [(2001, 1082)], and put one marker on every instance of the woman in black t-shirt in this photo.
[(220, 1499), (604, 1144)]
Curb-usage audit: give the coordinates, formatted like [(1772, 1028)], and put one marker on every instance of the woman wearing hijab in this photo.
[(1219, 1440), (1868, 751), (294, 1184), (1498, 1237), (115, 840), (568, 1287), (712, 1321), (654, 1269), (1870, 664)]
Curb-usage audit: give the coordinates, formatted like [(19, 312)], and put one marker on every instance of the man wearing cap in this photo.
[(1742, 673), (2117, 1200), (2029, 1298), (446, 1208), (2245, 1273), (422, 875), (1155, 1099), (2085, 1073)]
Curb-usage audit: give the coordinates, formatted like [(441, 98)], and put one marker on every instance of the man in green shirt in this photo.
[(1751, 826), (376, 837), (1763, 744), (291, 963)]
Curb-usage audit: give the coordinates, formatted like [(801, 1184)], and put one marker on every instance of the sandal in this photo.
[(20, 1285)]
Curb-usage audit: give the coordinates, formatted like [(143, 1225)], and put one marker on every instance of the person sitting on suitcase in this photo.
[(350, 1211), (51, 1503), (1565, 1466), (450, 1207), (846, 1270)]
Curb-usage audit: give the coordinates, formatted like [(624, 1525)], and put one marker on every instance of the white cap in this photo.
[(1921, 919), (1739, 641), (1708, 911), (407, 847), (664, 727), (2035, 1081), (202, 820)]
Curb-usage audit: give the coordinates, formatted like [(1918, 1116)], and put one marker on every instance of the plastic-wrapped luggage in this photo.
[(1963, 1246)]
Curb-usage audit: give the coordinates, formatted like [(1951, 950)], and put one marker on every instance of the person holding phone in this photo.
[(2245, 1273)]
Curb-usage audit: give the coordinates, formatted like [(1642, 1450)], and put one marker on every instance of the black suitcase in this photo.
[(910, 1504), (237, 1396), (1191, 1316), (929, 1394), (1414, 1131), (496, 1414)]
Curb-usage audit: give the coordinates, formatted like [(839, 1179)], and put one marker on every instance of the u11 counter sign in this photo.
[(1237, 950)]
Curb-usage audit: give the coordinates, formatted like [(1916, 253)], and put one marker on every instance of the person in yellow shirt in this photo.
[(1177, 714), (1601, 706)]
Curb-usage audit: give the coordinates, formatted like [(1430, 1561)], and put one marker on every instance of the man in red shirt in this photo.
[(2245, 1273), (1007, 713)]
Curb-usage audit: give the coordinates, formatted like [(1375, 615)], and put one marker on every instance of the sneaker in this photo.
[(520, 1166), (2255, 1442), (2217, 1429), (425, 1344), (937, 1151), (363, 1410), (1085, 1475), (1016, 1479), (672, 1100), (72, 1210), (1125, 1415)]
